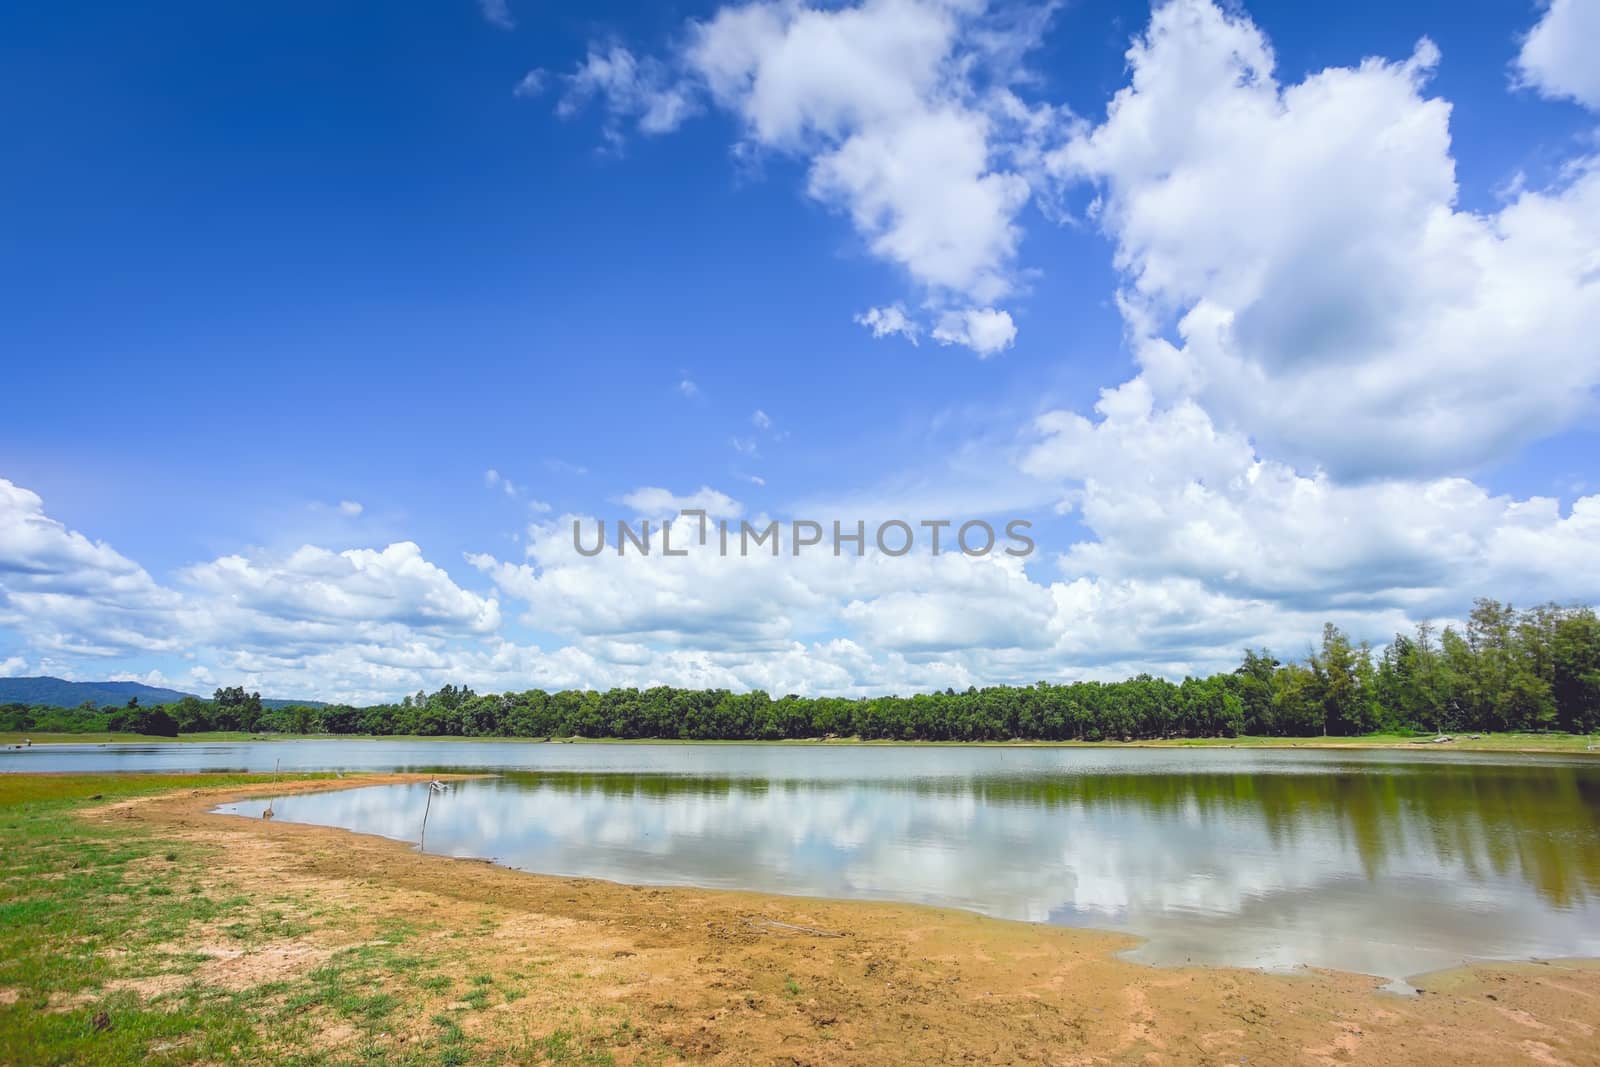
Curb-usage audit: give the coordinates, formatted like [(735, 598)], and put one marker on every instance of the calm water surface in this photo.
[(1389, 863)]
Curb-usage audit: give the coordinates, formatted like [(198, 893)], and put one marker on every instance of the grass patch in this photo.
[(99, 924), (124, 944)]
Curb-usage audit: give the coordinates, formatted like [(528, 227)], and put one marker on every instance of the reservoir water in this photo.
[(1390, 863)]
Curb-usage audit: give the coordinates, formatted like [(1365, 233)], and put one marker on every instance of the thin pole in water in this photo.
[(434, 786), (422, 842)]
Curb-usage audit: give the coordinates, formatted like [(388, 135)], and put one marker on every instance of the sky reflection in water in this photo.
[(1377, 866)]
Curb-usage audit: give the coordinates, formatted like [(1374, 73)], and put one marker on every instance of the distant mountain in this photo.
[(60, 693)]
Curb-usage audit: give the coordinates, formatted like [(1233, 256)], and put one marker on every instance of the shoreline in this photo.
[(1526, 744), (1130, 940), (425, 957)]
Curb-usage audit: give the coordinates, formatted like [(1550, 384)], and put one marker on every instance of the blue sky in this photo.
[(262, 262)]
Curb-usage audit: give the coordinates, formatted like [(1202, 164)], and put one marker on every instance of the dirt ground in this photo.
[(737, 978)]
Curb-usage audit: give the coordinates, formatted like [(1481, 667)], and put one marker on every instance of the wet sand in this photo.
[(724, 977)]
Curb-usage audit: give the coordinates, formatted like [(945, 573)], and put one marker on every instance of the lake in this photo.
[(1390, 863)]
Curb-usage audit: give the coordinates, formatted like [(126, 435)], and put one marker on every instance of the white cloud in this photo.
[(280, 620), (629, 89), (984, 330), (313, 588), (1328, 297), (957, 605), (987, 331), (1557, 57), (655, 502), (900, 109), (350, 508), (742, 606), (65, 593), (1200, 543), (151, 677), (1213, 550), (824, 624), (889, 321), (922, 193), (879, 97), (497, 13), (1170, 497), (1326, 342)]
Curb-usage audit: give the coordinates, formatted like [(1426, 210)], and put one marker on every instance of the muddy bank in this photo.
[(738, 978)]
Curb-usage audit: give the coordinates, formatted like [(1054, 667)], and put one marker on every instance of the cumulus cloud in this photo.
[(851, 624), (1327, 296), (880, 98), (629, 89), (71, 599), (350, 508), (1216, 550), (889, 321), (66, 593), (1170, 496), (759, 603), (984, 330), (1326, 345), (1557, 56), (358, 587), (655, 502), (899, 108)]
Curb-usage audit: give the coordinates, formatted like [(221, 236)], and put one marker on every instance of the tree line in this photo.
[(1503, 670)]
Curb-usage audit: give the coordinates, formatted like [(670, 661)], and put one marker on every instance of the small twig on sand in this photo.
[(774, 924)]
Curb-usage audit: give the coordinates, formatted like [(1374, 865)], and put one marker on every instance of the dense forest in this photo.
[(1537, 669)]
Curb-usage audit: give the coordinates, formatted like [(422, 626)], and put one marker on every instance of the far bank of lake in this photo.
[(1464, 742)]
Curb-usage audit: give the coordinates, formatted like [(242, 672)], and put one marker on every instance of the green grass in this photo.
[(101, 926), (101, 737), (88, 908)]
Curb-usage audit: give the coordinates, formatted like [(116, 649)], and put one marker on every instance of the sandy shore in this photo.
[(739, 978)]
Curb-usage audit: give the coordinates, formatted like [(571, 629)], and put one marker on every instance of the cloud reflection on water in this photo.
[(1390, 870)]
